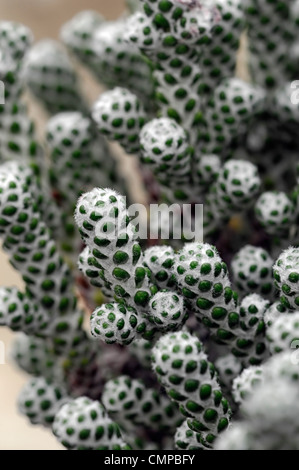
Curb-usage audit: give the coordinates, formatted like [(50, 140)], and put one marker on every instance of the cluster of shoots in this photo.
[(156, 344)]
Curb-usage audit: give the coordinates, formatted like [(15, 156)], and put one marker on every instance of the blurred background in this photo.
[(45, 18)]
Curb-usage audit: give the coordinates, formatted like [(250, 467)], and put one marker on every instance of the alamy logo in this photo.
[(2, 93), (160, 221)]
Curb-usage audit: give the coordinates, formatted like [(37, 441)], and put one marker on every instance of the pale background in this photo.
[(45, 18)]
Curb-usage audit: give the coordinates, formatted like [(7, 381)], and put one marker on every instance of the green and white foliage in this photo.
[(271, 32), (80, 159), (293, 53), (141, 349), (78, 34), (252, 310), (268, 398), (244, 386), (275, 310), (120, 116), (237, 185), (131, 404), (165, 149), (286, 275), (15, 39), (252, 271), (203, 280), (186, 439), (104, 225), (201, 135), (283, 108), (251, 346), (187, 22), (218, 58), (159, 260), (167, 311), (117, 323), (193, 47), (10, 72), (18, 140), (141, 34), (271, 419), (236, 438), (283, 366), (118, 65), (83, 424), (190, 380), (227, 114), (228, 368), (207, 169), (176, 61), (40, 400), (92, 270), (21, 153), (101, 46), (217, 53), (51, 77), (275, 212), (28, 242), (49, 283), (34, 356), (18, 312), (283, 334)]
